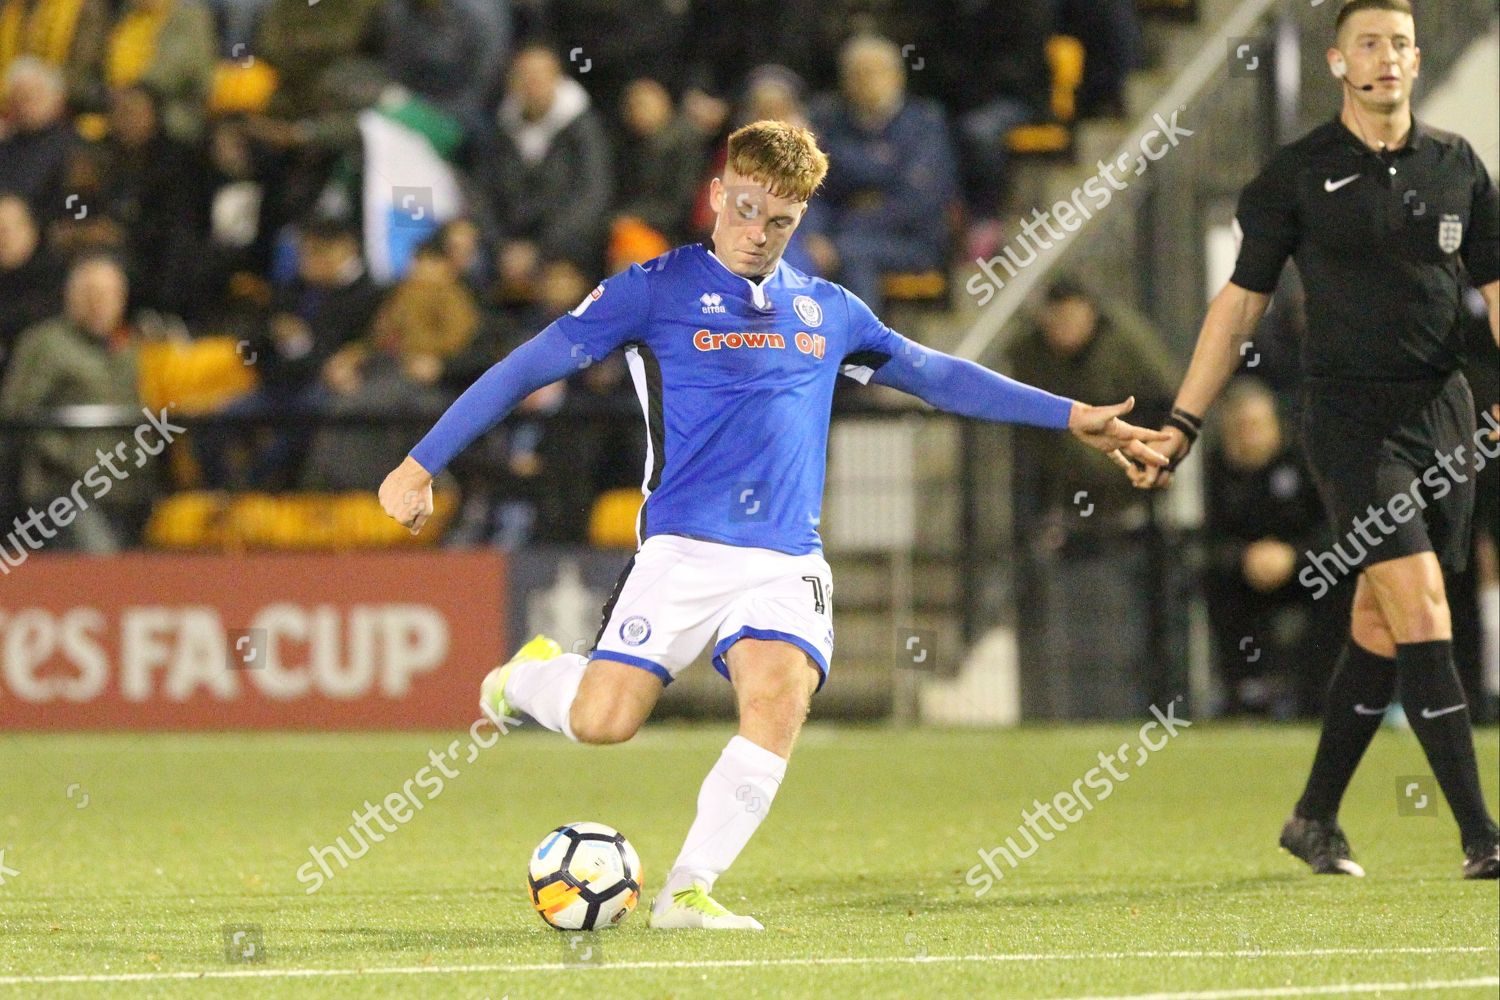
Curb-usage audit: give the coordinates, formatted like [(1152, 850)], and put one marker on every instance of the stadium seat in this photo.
[(927, 288), (293, 522), (1065, 56), (921, 286), (242, 89), (612, 521), (197, 376)]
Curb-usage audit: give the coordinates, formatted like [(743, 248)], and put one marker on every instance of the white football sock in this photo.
[(1489, 640), (734, 798), (545, 689)]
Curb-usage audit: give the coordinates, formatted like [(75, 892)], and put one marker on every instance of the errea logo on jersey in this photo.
[(713, 302)]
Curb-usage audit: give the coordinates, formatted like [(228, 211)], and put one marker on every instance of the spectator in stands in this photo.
[(30, 288), (329, 304), (462, 244), (440, 50), (218, 275), (1074, 350), (171, 46), (719, 55), (773, 92), (658, 171), (237, 21), (426, 320), (85, 356), (141, 191), (1262, 515), (1088, 601), (1110, 31), (302, 41), (531, 479), (67, 35), (546, 171), (429, 319), (609, 43), (887, 197), (986, 61), (36, 138), (609, 452)]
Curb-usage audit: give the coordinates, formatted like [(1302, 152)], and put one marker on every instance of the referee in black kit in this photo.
[(1387, 220)]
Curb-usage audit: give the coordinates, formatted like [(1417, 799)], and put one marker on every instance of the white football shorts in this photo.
[(678, 593)]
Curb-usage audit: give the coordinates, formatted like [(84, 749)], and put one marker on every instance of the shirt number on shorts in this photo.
[(819, 603)]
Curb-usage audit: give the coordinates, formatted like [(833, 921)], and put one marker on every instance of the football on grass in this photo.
[(584, 877)]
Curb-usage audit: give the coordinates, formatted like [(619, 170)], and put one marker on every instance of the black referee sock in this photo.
[(1439, 715), (1358, 695)]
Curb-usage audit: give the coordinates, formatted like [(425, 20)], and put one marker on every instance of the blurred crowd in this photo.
[(374, 200)]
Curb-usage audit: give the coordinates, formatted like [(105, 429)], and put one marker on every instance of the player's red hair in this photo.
[(782, 156)]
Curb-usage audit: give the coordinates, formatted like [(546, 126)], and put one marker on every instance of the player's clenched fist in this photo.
[(406, 494)]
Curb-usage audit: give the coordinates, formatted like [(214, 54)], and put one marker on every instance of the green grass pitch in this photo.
[(127, 856)]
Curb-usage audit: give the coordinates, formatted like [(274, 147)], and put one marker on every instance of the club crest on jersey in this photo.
[(588, 300), (1450, 233), (635, 630), (808, 310)]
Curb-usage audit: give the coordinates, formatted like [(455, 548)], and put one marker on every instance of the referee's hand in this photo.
[(1101, 428), (1148, 477)]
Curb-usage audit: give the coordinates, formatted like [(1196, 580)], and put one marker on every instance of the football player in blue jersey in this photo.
[(734, 355)]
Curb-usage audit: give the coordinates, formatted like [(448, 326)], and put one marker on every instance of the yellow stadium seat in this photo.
[(292, 522), (1065, 57), (920, 286), (612, 521), (199, 376), (240, 89)]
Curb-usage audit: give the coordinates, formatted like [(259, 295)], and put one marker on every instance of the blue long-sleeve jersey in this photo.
[(736, 381)]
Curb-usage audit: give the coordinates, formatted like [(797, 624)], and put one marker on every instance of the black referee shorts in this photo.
[(1368, 443)]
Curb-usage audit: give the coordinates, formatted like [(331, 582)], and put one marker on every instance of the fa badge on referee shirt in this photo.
[(1450, 233)]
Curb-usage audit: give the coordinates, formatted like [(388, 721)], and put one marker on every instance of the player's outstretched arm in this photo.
[(1231, 320), (406, 494), (969, 390)]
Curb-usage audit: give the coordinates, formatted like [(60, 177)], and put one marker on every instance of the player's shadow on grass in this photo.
[(1040, 896), (398, 940), (1012, 893)]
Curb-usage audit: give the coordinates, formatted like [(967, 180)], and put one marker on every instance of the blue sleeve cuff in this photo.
[(542, 360)]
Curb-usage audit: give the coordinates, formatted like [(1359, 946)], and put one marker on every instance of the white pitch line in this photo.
[(735, 963), (1343, 989)]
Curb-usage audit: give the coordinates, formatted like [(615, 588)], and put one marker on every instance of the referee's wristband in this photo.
[(1190, 418), (1188, 430)]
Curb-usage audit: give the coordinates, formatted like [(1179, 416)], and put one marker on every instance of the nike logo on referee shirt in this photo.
[(1332, 185), (1362, 710), (1428, 713)]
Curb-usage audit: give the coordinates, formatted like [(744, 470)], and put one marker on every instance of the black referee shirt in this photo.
[(1379, 239)]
